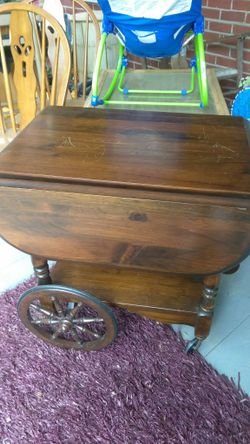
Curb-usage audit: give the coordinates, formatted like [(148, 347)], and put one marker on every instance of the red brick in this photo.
[(68, 9), (210, 59), (131, 65), (66, 2), (223, 51), (211, 13), (247, 56), (220, 27), (228, 83), (240, 29), (241, 5), (211, 35), (233, 16), (94, 6), (153, 63), (137, 65), (226, 62), (246, 68), (222, 4), (134, 58)]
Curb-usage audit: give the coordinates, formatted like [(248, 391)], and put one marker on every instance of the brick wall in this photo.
[(227, 17), (230, 17)]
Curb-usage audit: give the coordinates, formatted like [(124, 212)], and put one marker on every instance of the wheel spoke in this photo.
[(87, 330), (58, 306), (74, 310), (75, 336), (87, 320), (45, 321), (43, 310), (57, 332)]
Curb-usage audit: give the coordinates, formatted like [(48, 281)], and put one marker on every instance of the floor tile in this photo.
[(232, 355), (9, 254), (232, 306), (15, 273)]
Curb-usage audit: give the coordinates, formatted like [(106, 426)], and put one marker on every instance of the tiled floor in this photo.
[(228, 345)]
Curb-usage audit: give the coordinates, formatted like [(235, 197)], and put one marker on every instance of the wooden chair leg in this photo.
[(75, 70), (85, 61), (2, 125)]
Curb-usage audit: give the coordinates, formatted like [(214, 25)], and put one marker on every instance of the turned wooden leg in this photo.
[(42, 273), (41, 270), (205, 312)]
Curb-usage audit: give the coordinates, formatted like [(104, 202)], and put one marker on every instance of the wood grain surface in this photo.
[(133, 149), (156, 295), (144, 233)]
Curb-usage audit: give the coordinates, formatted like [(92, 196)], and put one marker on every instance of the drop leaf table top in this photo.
[(131, 204)]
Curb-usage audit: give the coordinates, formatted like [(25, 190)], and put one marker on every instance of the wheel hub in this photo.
[(66, 325)]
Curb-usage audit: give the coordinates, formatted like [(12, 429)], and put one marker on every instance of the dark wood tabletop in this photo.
[(140, 150)]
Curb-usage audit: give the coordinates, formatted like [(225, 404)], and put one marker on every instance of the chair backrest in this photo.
[(38, 82), (151, 29), (84, 34)]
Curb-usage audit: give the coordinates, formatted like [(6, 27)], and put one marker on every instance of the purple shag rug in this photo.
[(143, 389)]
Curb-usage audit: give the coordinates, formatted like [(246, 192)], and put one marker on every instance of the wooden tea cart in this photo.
[(140, 210)]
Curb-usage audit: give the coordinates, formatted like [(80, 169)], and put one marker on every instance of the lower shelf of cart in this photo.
[(166, 298)]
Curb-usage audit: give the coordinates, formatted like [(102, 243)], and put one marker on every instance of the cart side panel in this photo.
[(124, 231)]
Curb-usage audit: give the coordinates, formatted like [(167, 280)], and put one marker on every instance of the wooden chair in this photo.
[(234, 40), (84, 43), (37, 81)]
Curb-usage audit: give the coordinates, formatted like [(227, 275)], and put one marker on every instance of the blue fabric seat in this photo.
[(152, 29), (148, 36)]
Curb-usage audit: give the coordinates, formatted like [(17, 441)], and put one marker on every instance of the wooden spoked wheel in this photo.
[(67, 317)]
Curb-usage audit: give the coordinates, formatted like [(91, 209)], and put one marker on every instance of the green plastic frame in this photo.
[(121, 70), (201, 68)]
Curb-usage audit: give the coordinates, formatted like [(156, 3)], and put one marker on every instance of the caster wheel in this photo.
[(67, 317), (193, 345)]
